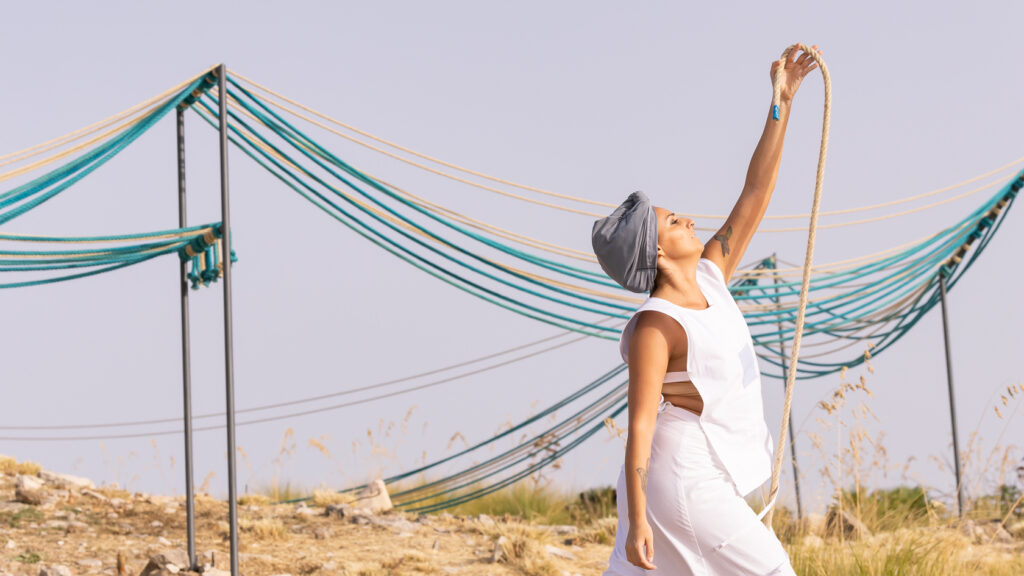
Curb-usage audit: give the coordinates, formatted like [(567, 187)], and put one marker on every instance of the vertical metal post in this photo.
[(952, 400), (229, 368), (785, 379), (186, 368)]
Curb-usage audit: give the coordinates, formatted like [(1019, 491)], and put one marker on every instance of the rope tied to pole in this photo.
[(811, 234)]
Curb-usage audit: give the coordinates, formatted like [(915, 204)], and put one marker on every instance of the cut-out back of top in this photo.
[(678, 384)]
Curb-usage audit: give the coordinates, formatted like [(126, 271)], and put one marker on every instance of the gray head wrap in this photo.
[(626, 243)]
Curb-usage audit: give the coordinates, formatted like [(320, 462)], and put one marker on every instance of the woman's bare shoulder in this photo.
[(653, 326)]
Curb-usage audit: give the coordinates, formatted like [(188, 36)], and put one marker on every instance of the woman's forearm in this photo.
[(638, 461), (764, 164)]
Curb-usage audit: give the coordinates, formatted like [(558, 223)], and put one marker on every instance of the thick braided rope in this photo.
[(812, 230)]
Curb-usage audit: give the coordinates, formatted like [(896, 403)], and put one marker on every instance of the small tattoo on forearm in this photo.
[(642, 471), (724, 240)]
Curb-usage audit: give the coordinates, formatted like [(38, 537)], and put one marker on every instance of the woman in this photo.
[(698, 442)]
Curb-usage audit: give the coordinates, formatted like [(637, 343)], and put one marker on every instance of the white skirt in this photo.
[(702, 526)]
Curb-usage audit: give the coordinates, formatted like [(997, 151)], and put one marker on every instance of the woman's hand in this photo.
[(640, 545), (794, 72)]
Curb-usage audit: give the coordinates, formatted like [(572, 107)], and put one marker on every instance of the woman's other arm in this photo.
[(648, 360)]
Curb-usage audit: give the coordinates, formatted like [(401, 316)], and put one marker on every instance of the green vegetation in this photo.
[(28, 558), (14, 519)]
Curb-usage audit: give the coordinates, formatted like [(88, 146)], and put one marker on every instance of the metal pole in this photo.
[(229, 368), (952, 400), (785, 379), (186, 369)]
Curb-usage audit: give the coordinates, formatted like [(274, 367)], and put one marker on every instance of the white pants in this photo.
[(702, 526)]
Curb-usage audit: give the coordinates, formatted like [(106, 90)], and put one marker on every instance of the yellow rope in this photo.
[(82, 132), (208, 233), (469, 221), (382, 213), (524, 239), (62, 240), (846, 264), (588, 257), (585, 200), (433, 170), (805, 285), (65, 153)]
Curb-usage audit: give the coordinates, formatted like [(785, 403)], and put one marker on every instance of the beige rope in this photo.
[(805, 285), (65, 153), (393, 219), (82, 132), (452, 166), (581, 255)]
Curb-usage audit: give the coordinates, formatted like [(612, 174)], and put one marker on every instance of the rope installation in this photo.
[(875, 298)]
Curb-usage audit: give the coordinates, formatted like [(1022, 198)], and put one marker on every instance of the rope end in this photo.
[(775, 111)]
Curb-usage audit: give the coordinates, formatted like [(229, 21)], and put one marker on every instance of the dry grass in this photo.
[(918, 551), (324, 498), (523, 547), (11, 466), (258, 528), (913, 531), (254, 499)]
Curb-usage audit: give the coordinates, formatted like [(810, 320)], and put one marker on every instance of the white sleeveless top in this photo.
[(721, 363)]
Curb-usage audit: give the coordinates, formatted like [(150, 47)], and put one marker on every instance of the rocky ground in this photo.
[(60, 525)]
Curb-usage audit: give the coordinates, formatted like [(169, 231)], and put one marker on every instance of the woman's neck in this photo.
[(679, 286)]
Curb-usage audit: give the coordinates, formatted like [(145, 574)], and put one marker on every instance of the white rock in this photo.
[(66, 480), (90, 563), (28, 490), (169, 561), (304, 511), (55, 570), (374, 497), (25, 482), (96, 495), (163, 541), (499, 548), (76, 526), (559, 553)]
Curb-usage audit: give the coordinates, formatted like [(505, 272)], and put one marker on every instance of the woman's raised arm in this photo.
[(728, 245)]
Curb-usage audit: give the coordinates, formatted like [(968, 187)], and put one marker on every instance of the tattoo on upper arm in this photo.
[(724, 240), (642, 471)]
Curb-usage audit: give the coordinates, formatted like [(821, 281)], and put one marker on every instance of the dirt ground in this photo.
[(86, 529)]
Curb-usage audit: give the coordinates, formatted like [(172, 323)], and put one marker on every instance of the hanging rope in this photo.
[(280, 100), (878, 297), (812, 230)]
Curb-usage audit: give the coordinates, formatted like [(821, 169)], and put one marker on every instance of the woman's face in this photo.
[(677, 236)]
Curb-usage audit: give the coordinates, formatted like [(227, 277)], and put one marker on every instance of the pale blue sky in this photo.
[(588, 98)]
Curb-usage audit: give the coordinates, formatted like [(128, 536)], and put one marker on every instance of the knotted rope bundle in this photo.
[(812, 230)]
